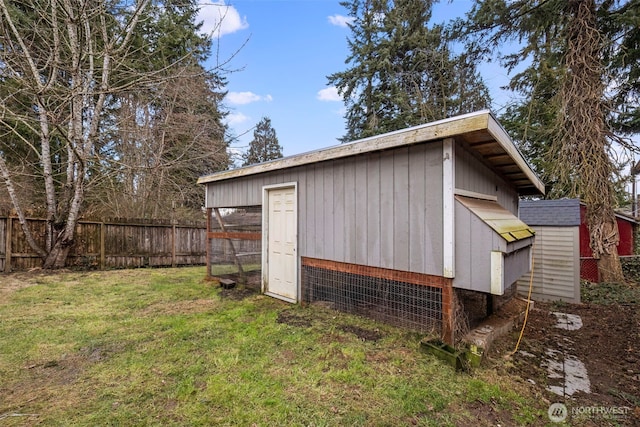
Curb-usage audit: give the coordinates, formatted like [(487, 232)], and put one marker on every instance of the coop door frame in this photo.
[(266, 252)]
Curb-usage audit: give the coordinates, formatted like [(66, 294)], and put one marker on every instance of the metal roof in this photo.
[(503, 222), (479, 132)]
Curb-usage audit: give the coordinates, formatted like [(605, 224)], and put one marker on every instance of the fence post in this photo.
[(7, 245), (173, 243), (208, 242), (102, 246)]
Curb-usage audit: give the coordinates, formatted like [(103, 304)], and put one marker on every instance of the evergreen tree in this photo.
[(402, 72), (581, 54), (264, 146), (624, 24)]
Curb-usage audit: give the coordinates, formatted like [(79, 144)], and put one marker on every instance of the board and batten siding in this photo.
[(476, 177), (556, 265), (380, 209), (474, 242)]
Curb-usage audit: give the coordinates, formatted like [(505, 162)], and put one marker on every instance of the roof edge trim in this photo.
[(500, 134), (437, 130)]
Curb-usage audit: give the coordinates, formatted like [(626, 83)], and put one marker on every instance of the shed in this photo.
[(588, 264), (556, 266), (389, 226), (562, 252)]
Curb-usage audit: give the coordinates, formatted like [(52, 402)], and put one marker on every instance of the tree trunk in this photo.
[(609, 268), (604, 244), (583, 161), (57, 257)]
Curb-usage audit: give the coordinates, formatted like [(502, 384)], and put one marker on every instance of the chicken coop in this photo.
[(393, 227)]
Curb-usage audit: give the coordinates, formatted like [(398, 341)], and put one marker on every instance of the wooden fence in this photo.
[(109, 244)]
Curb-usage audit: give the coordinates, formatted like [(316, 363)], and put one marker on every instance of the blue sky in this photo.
[(279, 54)]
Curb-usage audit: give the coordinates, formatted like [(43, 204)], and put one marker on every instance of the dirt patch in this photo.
[(489, 413), (295, 318), (13, 282), (237, 293), (607, 343), (242, 287), (363, 334), (43, 382)]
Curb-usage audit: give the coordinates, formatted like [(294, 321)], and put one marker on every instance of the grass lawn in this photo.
[(165, 347)]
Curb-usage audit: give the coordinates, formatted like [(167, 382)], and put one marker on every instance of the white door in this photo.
[(282, 236)]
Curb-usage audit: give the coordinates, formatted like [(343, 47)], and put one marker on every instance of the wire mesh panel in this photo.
[(235, 244), (375, 293), (589, 269)]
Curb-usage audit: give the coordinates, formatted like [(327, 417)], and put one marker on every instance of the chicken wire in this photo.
[(235, 251), (407, 305)]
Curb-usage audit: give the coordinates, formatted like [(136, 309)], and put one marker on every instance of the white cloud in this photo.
[(340, 20), (234, 119), (242, 98), (329, 94), (219, 19)]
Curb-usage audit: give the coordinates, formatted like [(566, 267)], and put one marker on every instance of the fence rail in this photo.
[(109, 244)]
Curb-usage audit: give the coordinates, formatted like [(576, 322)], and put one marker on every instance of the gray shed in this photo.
[(388, 226), (556, 267)]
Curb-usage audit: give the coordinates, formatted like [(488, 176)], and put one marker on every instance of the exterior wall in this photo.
[(589, 265), (381, 209), (556, 266), (625, 228), (474, 242), (514, 264), (472, 175)]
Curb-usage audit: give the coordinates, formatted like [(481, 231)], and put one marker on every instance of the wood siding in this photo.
[(474, 242), (473, 175), (556, 271), (381, 209)]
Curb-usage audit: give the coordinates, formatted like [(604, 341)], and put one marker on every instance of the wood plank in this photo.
[(386, 210), (340, 233), (8, 242), (361, 212), (376, 272), (320, 213), (329, 213), (401, 209), (350, 220), (448, 208), (241, 235), (417, 210), (373, 209), (308, 191)]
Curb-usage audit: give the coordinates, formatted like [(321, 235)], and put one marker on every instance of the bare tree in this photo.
[(164, 137), (63, 57)]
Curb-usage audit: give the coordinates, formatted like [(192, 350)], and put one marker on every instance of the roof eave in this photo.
[(500, 134), (438, 130)]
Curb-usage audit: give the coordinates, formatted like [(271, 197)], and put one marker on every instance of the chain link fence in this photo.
[(630, 268)]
